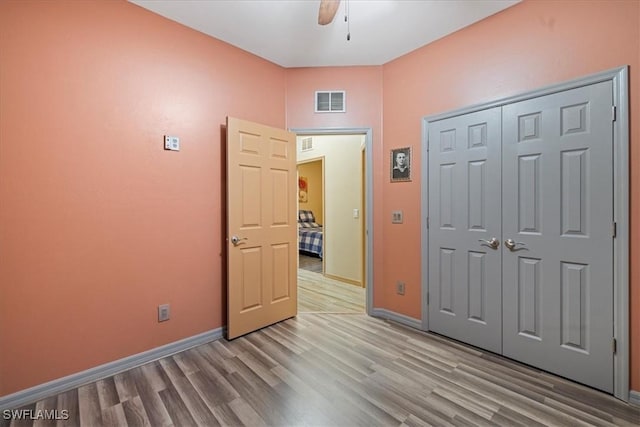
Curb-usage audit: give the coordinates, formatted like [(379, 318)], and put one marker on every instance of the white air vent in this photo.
[(307, 144), (330, 102)]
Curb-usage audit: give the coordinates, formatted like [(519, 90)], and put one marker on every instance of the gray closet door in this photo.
[(464, 198), (558, 202)]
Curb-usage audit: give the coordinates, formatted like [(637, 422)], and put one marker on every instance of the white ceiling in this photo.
[(287, 32)]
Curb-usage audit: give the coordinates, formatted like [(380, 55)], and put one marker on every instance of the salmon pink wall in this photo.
[(530, 45), (98, 223), (363, 86)]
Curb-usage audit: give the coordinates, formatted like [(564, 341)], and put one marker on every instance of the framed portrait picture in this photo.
[(401, 164)]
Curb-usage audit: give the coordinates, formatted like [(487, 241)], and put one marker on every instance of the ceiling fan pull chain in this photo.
[(346, 19)]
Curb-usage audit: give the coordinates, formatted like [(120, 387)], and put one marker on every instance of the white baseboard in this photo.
[(397, 317), (33, 394), (634, 397)]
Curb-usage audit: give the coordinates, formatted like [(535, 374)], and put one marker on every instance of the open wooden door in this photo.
[(262, 228)]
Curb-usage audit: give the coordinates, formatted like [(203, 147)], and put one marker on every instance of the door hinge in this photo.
[(613, 113), (614, 230), (614, 345), (427, 298), (427, 223)]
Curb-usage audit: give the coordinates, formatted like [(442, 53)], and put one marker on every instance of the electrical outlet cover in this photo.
[(164, 312), (397, 217), (171, 143)]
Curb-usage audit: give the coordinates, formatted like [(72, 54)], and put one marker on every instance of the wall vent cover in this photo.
[(307, 144), (330, 101)]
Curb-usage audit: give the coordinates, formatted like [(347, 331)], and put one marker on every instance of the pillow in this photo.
[(306, 216)]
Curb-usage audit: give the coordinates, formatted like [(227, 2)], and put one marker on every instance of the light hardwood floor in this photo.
[(320, 294), (336, 370)]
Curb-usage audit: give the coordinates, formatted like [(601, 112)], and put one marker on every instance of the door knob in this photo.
[(235, 240), (493, 243), (509, 243)]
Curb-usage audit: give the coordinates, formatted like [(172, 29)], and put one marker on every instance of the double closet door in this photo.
[(520, 237)]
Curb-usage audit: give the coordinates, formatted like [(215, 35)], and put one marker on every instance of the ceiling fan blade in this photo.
[(327, 11)]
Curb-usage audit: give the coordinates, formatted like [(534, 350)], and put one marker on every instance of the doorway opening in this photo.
[(311, 183), (334, 222)]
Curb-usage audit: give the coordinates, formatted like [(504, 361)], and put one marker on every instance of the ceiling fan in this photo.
[(327, 11)]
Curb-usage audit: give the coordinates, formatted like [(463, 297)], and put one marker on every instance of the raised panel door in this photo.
[(464, 198), (558, 209)]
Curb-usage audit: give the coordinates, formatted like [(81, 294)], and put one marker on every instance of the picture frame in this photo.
[(303, 189), (400, 164)]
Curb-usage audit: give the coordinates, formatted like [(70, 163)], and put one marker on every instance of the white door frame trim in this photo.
[(368, 231), (620, 78)]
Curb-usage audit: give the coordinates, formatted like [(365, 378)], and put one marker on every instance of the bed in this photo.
[(309, 234)]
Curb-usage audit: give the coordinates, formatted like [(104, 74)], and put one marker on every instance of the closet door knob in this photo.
[(493, 243), (509, 243)]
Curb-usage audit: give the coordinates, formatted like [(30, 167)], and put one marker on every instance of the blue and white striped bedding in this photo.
[(309, 233), (310, 240)]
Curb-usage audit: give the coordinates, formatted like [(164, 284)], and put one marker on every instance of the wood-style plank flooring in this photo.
[(310, 263), (320, 294), (336, 370)]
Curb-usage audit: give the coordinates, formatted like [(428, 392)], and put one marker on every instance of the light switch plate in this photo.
[(397, 217), (171, 143)]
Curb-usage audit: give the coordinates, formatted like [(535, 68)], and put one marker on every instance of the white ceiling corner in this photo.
[(286, 32)]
